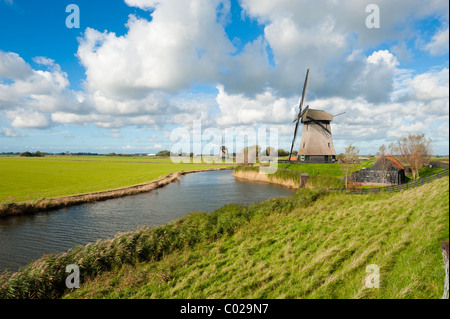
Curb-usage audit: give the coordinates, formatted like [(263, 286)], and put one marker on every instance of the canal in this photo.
[(25, 238)]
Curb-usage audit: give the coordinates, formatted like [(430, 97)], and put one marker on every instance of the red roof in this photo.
[(394, 161)]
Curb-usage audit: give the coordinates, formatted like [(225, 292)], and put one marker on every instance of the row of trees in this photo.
[(35, 154), (254, 150)]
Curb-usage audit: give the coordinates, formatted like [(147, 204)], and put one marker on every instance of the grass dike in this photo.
[(253, 174), (9, 209), (287, 178), (312, 244)]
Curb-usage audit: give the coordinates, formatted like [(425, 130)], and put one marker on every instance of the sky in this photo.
[(135, 71)]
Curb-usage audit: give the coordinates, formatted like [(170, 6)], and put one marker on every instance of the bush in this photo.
[(35, 154), (163, 153), (326, 181)]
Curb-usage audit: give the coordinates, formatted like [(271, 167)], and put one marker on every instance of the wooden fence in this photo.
[(395, 188)]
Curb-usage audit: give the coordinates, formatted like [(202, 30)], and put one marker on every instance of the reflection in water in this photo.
[(25, 238)]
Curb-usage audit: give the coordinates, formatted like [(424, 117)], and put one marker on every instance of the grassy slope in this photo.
[(293, 176), (325, 169), (34, 178), (296, 248)]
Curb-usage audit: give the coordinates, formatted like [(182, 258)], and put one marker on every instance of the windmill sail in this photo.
[(300, 113)]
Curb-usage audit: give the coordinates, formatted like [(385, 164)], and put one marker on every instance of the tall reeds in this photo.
[(45, 278)]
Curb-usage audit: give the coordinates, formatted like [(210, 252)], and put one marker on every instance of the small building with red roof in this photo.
[(387, 170)]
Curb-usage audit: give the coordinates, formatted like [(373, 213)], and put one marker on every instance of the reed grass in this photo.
[(292, 177), (300, 248), (312, 244)]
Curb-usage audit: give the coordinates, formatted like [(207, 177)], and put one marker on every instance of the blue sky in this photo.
[(136, 70)]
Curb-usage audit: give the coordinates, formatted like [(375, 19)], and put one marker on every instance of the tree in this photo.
[(282, 152), (249, 154), (269, 151), (382, 162), (414, 150), (393, 149), (348, 159), (35, 154), (164, 153), (25, 154), (38, 154)]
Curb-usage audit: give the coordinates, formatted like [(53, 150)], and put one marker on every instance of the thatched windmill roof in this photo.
[(316, 115)]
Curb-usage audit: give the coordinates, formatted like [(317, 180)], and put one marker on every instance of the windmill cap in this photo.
[(317, 115)]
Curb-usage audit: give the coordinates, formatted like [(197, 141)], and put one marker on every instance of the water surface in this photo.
[(25, 238)]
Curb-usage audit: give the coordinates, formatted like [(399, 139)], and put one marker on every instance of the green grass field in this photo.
[(313, 244), (24, 179)]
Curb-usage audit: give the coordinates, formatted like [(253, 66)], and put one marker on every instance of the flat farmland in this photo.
[(23, 179)]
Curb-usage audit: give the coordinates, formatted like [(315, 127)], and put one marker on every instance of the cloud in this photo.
[(9, 132), (25, 118), (12, 66), (182, 45), (427, 86), (143, 4), (322, 35), (238, 109), (349, 16), (249, 71), (439, 43), (42, 90), (376, 81)]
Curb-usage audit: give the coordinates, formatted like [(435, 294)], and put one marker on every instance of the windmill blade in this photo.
[(304, 111), (338, 114), (320, 129), (293, 140), (305, 87), (300, 115), (320, 124), (297, 118)]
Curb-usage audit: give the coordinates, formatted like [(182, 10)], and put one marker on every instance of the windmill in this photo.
[(316, 145), (223, 150)]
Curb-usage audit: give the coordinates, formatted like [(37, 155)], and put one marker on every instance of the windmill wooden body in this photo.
[(316, 145)]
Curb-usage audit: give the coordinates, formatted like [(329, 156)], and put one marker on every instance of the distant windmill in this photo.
[(223, 150), (316, 145)]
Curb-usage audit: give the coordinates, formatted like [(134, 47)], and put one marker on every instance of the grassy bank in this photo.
[(312, 244), (38, 179), (325, 169), (290, 177)]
